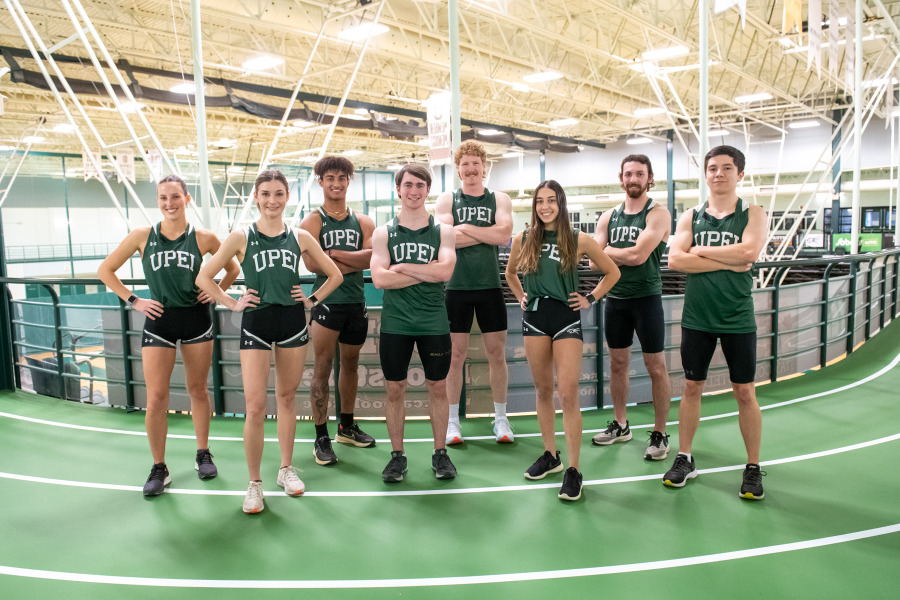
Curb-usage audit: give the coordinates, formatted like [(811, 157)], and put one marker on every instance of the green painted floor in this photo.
[(77, 526)]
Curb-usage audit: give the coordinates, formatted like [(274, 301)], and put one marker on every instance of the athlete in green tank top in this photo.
[(477, 265), (719, 301), (549, 281), (342, 234), (171, 267), (623, 230), (270, 267), (417, 309)]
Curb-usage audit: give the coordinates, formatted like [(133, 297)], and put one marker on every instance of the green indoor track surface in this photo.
[(75, 524)]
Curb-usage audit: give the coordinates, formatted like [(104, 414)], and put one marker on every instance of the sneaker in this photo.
[(544, 465), (355, 436), (323, 452), (658, 448), (751, 488), (571, 487), (158, 480), (395, 469), (204, 465), (253, 501), (503, 431), (454, 434), (682, 470), (612, 434), (287, 479), (441, 465)]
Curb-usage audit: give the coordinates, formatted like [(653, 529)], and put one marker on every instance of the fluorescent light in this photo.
[(643, 67), (542, 76), (235, 169), (647, 112), (490, 132), (870, 83), (361, 111), (64, 128), (6, 148), (638, 141), (354, 116), (425, 142), (132, 107), (786, 42), (394, 167), (352, 152), (563, 122), (224, 143), (186, 87), (33, 139), (513, 154), (301, 123), (520, 87), (663, 53), (362, 31), (753, 98), (716, 132), (261, 63), (803, 124)]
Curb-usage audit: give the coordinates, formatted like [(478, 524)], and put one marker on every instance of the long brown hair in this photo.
[(533, 239)]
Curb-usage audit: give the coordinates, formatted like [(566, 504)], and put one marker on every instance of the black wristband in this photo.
[(591, 299)]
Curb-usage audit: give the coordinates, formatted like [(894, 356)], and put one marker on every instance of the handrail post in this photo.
[(126, 356), (851, 308), (776, 292), (598, 318), (826, 284), (57, 335), (218, 394), (869, 285)]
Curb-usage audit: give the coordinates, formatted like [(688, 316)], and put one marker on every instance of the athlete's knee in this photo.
[(693, 389), (619, 361), (256, 411)]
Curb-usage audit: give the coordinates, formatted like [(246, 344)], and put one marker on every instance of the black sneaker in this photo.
[(546, 463), (441, 465), (571, 487), (751, 488), (682, 470), (355, 436), (395, 469), (322, 451), (204, 465), (158, 480), (658, 448)]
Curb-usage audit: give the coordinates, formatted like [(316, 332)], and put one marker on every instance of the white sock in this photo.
[(688, 456), (454, 413), (499, 410)]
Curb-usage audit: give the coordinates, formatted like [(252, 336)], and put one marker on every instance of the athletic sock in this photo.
[(499, 410), (322, 430), (454, 413), (688, 456), (346, 420)]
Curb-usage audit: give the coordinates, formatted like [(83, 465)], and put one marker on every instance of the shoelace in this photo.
[(158, 472), (253, 492), (204, 458), (656, 438), (613, 427), (754, 476), (681, 463), (500, 424)]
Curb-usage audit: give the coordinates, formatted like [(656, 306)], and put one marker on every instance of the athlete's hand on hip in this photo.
[(248, 300), (524, 301), (204, 298), (578, 302), (298, 295), (151, 308)]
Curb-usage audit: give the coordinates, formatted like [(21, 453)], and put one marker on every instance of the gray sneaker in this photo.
[(204, 465), (658, 448), (441, 465), (612, 434), (158, 480)]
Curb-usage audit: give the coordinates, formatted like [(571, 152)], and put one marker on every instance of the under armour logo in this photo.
[(152, 243), (248, 342), (147, 340), (321, 317), (254, 243)]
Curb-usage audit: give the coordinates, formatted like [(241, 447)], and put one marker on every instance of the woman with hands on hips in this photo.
[(273, 319)]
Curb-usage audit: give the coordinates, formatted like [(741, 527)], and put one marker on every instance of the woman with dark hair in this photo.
[(171, 252), (547, 253), (273, 318)]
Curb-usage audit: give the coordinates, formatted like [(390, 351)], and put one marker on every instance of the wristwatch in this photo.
[(132, 299), (313, 299), (591, 299)]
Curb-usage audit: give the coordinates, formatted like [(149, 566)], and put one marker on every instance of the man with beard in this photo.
[(634, 235)]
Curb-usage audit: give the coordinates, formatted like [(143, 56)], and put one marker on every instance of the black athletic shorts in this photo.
[(284, 326), (188, 324), (487, 306), (697, 348), (644, 316), (352, 320), (396, 351), (552, 318)]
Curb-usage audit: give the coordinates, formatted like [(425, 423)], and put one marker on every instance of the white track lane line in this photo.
[(179, 436), (479, 490), (459, 580)]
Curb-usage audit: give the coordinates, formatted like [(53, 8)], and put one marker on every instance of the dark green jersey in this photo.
[(477, 266), (270, 266), (344, 234), (640, 280), (549, 281), (416, 309), (171, 267), (719, 301)]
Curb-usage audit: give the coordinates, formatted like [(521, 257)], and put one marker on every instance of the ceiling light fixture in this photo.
[(132, 107), (637, 141), (64, 128), (352, 152), (186, 87), (513, 154), (363, 31), (803, 124), (542, 76), (261, 63), (563, 122), (489, 132), (520, 87), (33, 139), (649, 112), (716, 133), (664, 53), (753, 98)]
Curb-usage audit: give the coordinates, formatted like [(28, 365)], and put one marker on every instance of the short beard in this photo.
[(630, 194)]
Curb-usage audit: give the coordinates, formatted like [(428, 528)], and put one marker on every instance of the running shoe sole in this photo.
[(389, 479), (454, 441), (556, 469), (623, 438), (750, 496), (351, 442), (568, 498), (670, 483), (649, 456), (324, 463)]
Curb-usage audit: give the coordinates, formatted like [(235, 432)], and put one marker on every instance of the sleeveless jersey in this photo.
[(416, 309), (344, 234), (719, 301), (171, 267), (640, 280), (478, 266), (549, 281), (270, 266)]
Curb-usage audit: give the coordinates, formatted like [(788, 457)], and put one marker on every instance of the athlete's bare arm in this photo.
[(752, 241), (133, 242), (443, 208), (682, 259), (209, 243), (382, 276), (589, 246), (310, 245), (233, 247), (437, 270), (657, 230), (601, 235), (356, 260), (512, 271), (497, 234)]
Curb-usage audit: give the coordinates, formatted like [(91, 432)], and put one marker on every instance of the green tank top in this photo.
[(270, 266), (719, 301), (416, 309), (478, 266), (171, 267), (640, 280), (344, 234), (549, 281)]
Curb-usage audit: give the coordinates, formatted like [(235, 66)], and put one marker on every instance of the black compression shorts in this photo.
[(284, 326), (486, 305), (644, 316), (697, 348), (396, 350), (188, 324), (352, 320)]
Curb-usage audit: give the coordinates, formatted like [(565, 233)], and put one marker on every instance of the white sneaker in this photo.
[(253, 501), (454, 434), (287, 478), (503, 431)]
